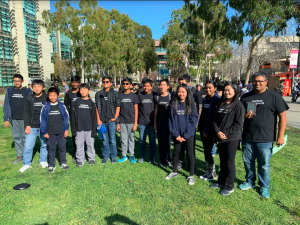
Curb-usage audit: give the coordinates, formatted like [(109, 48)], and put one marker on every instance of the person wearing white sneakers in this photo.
[(32, 109)]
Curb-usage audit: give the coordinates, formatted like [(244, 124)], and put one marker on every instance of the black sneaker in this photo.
[(64, 166), (91, 162), (103, 161), (113, 160), (80, 164), (209, 176), (51, 169)]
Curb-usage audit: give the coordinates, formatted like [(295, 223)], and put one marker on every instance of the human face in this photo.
[(259, 84), (163, 87), (106, 83), (52, 97), (17, 82), (182, 94), (210, 89), (126, 85), (198, 88), (229, 92), (37, 89), (75, 84), (147, 88), (84, 92)]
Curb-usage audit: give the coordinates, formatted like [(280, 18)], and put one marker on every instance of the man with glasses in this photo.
[(259, 131), (13, 113), (108, 105)]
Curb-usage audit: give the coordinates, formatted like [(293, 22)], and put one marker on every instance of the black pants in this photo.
[(227, 152), (163, 137), (208, 143), (181, 156), (74, 147), (189, 146), (51, 143)]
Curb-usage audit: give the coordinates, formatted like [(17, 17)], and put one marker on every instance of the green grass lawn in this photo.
[(139, 194)]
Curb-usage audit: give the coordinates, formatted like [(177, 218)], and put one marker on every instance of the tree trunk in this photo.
[(199, 73), (205, 52)]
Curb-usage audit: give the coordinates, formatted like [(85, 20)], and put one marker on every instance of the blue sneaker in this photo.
[(132, 159), (264, 192), (120, 160), (104, 161), (245, 186)]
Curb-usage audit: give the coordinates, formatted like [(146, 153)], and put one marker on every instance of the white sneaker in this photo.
[(44, 165), (24, 168)]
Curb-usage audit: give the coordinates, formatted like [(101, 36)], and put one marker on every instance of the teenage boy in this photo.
[(13, 113), (108, 105), (128, 120), (84, 119), (146, 121), (162, 102), (32, 110), (54, 127), (70, 96)]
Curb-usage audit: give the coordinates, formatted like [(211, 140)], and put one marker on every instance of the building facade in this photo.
[(25, 46), (163, 72), (61, 45)]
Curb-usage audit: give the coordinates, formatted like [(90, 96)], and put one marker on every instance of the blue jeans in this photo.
[(29, 145), (262, 152), (109, 141), (143, 134)]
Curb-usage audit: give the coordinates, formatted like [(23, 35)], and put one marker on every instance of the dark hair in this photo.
[(198, 85), (127, 79), (260, 73), (236, 96), (165, 80), (38, 81), (18, 76), (189, 100), (135, 84), (76, 78), (211, 82), (185, 77), (85, 85), (53, 89), (149, 81), (107, 78), (221, 85)]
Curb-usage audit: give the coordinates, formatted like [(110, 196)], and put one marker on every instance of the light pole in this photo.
[(82, 57)]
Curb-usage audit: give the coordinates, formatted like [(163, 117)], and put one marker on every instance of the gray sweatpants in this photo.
[(81, 137), (127, 139), (18, 133)]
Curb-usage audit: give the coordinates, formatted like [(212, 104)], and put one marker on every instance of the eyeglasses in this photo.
[(106, 82), (126, 83), (17, 81), (259, 81)]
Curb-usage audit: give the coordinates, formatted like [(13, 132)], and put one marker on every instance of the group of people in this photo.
[(220, 114)]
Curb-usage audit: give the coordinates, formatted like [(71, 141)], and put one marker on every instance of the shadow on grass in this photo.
[(295, 211), (41, 223), (117, 218)]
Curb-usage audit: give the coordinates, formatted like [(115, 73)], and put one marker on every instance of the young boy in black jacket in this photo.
[(32, 111), (84, 125)]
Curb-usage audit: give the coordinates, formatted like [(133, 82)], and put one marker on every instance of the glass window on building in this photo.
[(30, 28), (4, 17), (160, 50), (29, 7), (6, 75), (32, 50)]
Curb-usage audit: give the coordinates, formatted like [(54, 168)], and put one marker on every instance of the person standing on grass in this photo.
[(108, 105), (70, 96), (209, 106), (182, 124), (259, 132), (161, 123), (146, 121), (128, 120), (13, 113), (228, 123), (32, 110), (84, 119), (55, 127), (66, 87)]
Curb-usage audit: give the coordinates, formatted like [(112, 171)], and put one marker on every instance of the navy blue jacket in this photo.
[(180, 124), (8, 101), (45, 117)]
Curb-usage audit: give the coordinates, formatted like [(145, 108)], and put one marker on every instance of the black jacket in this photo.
[(68, 100), (113, 99), (232, 123), (74, 118), (29, 108)]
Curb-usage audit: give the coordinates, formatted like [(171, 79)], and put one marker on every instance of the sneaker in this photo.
[(24, 168), (171, 175), (51, 169), (225, 192), (73, 160), (113, 160), (245, 186), (179, 167), (44, 165), (64, 166), (132, 159), (91, 162), (264, 192), (123, 159), (152, 161), (216, 185), (209, 176), (191, 180), (104, 161), (140, 160), (80, 164), (19, 159)]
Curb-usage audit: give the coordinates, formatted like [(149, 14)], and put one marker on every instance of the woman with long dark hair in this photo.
[(228, 122), (182, 124)]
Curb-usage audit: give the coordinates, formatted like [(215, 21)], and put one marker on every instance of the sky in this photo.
[(153, 14)]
